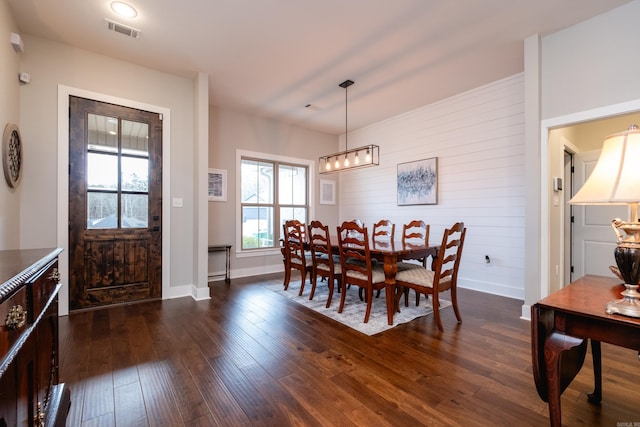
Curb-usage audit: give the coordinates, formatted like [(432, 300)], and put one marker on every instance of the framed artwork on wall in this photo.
[(327, 192), (418, 182), (217, 185)]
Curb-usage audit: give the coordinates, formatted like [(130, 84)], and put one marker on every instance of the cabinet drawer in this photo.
[(41, 288), (13, 319)]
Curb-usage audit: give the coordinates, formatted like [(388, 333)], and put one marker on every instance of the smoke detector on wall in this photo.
[(16, 42), (123, 29)]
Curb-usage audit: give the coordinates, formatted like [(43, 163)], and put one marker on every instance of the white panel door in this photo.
[(593, 238)]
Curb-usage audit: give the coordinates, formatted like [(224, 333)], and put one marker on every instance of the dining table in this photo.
[(390, 252)]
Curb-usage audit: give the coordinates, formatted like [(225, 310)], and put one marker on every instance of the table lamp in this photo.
[(616, 181)]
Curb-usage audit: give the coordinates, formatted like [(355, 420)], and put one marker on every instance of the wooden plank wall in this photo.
[(478, 138)]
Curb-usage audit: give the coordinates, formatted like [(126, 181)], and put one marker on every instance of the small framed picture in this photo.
[(327, 192), (217, 185)]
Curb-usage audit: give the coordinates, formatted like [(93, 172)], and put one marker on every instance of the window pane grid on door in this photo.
[(117, 173)]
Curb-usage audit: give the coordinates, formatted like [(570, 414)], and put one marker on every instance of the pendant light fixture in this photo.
[(349, 158)]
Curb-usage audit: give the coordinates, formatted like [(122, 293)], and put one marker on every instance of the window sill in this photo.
[(258, 252)]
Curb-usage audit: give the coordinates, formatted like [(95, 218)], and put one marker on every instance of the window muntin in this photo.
[(117, 173), (264, 209)]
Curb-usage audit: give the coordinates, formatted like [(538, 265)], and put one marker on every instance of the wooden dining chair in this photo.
[(444, 274), (383, 233), (414, 232), (356, 264), (294, 254), (324, 263), (384, 229)]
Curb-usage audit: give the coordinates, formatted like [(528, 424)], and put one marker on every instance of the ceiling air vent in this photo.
[(123, 29)]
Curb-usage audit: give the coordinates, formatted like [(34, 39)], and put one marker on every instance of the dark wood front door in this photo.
[(115, 204)]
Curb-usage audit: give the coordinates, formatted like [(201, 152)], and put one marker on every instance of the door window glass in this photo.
[(117, 173)]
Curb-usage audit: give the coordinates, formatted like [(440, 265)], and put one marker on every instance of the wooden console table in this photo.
[(561, 326), (30, 393), (227, 266)]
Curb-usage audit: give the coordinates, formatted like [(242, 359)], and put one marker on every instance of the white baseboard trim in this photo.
[(197, 294), (256, 271), (200, 294), (526, 312), (491, 288)]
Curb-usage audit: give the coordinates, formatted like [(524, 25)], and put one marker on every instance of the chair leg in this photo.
[(314, 280), (436, 309), (287, 278), (303, 274), (369, 304), (454, 302), (344, 292), (330, 284), (418, 298)]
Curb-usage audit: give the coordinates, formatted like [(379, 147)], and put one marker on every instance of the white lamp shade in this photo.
[(616, 178)]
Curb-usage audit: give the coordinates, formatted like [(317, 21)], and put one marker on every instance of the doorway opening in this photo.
[(580, 238)]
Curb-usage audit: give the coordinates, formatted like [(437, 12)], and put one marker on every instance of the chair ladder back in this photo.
[(353, 244), (448, 260), (384, 229), (294, 242), (320, 244), (416, 231)]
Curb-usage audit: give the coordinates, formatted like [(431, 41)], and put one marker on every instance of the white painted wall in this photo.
[(478, 137), (588, 71), (53, 64), (592, 64), (9, 113), (230, 131)]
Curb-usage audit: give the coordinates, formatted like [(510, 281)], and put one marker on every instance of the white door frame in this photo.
[(545, 126), (62, 231)]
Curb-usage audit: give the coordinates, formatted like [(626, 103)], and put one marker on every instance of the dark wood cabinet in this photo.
[(30, 392)]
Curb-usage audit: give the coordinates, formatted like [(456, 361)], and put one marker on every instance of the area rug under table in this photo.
[(354, 309)]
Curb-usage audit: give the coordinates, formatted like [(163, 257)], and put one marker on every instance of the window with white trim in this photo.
[(271, 193)]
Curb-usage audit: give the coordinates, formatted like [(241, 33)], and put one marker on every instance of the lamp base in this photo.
[(629, 305)]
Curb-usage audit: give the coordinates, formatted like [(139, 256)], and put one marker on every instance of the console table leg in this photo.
[(227, 277), (554, 346), (596, 352)]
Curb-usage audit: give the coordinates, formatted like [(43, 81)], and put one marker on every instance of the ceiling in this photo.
[(274, 57)]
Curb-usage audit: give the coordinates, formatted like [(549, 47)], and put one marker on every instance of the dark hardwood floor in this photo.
[(251, 357)]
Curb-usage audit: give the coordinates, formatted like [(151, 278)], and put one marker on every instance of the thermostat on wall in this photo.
[(557, 184)]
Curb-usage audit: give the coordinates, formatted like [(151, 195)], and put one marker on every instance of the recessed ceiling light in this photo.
[(123, 9)]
